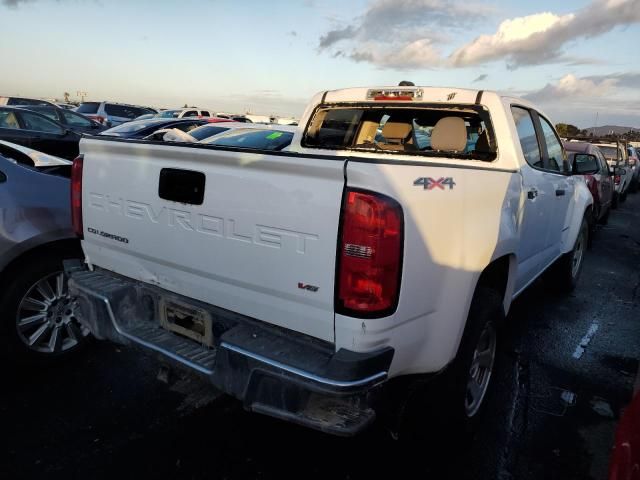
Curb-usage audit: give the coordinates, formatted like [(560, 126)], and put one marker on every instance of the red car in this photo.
[(588, 161), (217, 119), (625, 460)]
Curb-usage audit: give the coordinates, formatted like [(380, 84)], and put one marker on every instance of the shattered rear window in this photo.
[(406, 130)]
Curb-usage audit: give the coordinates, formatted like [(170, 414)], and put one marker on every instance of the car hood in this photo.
[(39, 159)]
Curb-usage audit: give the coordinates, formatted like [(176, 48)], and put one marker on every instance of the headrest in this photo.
[(396, 130), (449, 134)]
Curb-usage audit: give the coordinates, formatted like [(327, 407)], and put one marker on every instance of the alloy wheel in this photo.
[(46, 317)]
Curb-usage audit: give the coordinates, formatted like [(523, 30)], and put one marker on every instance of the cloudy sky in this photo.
[(574, 58)]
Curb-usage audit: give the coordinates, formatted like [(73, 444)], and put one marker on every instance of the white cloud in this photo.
[(417, 54), (390, 33), (577, 99), (397, 24), (528, 36), (572, 87), (540, 38)]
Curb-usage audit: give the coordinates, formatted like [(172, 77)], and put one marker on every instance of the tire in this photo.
[(605, 219), (614, 201), (623, 196), (53, 330), (443, 407), (565, 273)]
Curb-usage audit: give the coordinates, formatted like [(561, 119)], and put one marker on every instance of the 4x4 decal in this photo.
[(429, 183)]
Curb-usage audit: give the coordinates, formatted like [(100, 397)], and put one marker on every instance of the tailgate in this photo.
[(260, 240)]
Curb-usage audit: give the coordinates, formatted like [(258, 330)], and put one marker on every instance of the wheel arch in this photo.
[(62, 246), (582, 207), (500, 275)]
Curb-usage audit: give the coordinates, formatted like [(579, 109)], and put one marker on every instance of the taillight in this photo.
[(76, 196), (370, 255), (616, 179)]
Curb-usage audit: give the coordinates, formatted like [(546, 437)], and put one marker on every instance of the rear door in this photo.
[(48, 136), (249, 232), (562, 186), (533, 249), (605, 180)]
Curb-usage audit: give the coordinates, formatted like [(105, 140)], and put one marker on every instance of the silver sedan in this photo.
[(37, 315)]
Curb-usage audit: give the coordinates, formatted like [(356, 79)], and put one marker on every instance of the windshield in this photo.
[(168, 114), (134, 126), (207, 131), (464, 131), (254, 139)]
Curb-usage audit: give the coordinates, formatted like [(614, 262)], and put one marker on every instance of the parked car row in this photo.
[(609, 180)]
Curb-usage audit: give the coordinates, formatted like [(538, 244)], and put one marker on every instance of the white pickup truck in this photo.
[(387, 242)]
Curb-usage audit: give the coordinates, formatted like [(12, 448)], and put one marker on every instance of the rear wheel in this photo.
[(453, 403), (38, 313), (614, 201), (605, 219)]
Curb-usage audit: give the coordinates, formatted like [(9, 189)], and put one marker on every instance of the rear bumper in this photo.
[(272, 370)]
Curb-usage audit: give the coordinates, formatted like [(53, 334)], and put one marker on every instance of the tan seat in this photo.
[(397, 136), (449, 135), (10, 121)]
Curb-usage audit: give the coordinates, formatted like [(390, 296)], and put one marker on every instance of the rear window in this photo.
[(610, 152), (25, 101), (88, 107), (255, 139), (464, 131), (206, 131), (124, 111)]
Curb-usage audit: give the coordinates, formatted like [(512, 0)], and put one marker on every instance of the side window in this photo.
[(122, 111), (204, 113), (37, 123), (75, 119), (48, 112), (554, 147), (8, 120), (527, 136), (190, 113)]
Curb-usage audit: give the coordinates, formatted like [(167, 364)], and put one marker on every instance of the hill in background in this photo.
[(608, 129)]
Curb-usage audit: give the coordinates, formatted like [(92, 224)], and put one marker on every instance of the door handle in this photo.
[(560, 192), (531, 194)]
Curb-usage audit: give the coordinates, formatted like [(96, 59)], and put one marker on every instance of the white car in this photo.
[(184, 112), (306, 282)]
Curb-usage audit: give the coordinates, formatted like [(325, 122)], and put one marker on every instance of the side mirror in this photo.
[(619, 171), (585, 164)]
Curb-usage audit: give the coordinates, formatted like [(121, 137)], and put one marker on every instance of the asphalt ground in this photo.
[(567, 368)]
